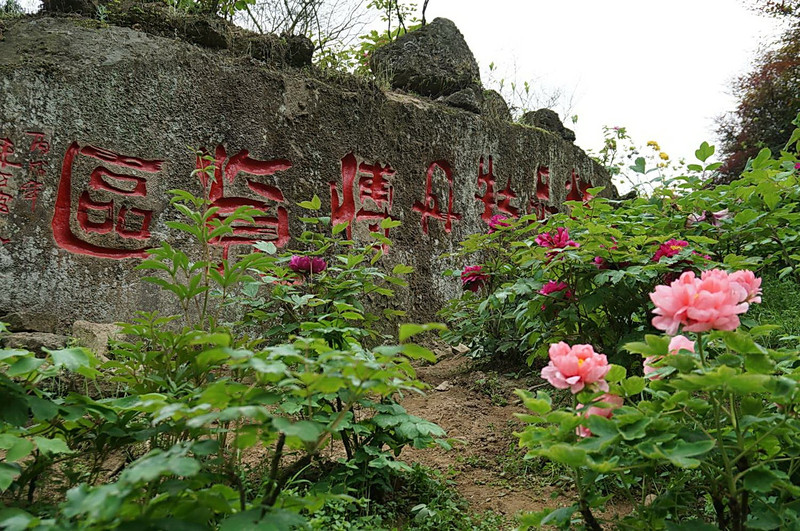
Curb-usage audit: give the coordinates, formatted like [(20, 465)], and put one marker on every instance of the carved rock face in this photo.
[(94, 129), (432, 61)]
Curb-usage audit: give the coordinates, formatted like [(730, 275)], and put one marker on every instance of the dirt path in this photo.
[(478, 408)]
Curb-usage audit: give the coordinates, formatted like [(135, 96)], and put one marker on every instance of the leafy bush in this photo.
[(193, 398), (585, 276)]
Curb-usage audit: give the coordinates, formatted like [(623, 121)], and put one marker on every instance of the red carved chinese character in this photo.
[(30, 191), (5, 199), (487, 198), (491, 199), (543, 188), (577, 190), (37, 167), (429, 207), (504, 204), (4, 177), (106, 206), (373, 184), (6, 150), (538, 203), (263, 227), (38, 143)]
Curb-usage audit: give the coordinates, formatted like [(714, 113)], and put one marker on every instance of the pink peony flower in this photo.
[(612, 402), (556, 240), (554, 287), (713, 218), (576, 367), (797, 166), (676, 344), (669, 249), (498, 220), (307, 264), (699, 304), (473, 277), (748, 281), (600, 262)]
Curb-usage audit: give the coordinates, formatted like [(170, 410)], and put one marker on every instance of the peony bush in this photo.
[(710, 439)]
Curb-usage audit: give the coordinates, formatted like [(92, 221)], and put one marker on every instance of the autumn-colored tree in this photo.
[(769, 96)]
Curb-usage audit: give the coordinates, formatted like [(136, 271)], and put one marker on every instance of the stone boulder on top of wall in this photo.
[(548, 120), (432, 61)]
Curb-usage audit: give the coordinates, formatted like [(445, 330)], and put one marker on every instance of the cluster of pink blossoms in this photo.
[(473, 277), (556, 240), (307, 264), (497, 221), (713, 301), (669, 249), (579, 367), (576, 367)]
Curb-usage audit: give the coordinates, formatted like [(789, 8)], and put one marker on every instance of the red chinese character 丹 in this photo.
[(38, 143), (577, 190), (30, 192), (111, 217), (538, 204), (6, 150), (429, 207), (266, 227), (491, 199), (372, 183)]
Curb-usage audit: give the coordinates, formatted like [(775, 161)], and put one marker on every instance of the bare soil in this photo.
[(487, 467)]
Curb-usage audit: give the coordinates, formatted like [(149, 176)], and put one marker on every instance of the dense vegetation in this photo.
[(692, 430)]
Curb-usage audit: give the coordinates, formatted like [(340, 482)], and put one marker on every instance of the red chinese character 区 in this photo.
[(111, 208), (266, 227), (30, 192), (429, 207), (372, 183)]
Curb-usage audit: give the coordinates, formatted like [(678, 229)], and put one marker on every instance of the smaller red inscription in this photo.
[(30, 191), (5, 199), (429, 207), (6, 151), (38, 143)]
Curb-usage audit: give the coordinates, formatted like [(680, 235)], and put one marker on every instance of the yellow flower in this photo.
[(663, 156), (653, 144)]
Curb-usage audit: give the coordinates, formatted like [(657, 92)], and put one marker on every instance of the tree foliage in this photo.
[(769, 96)]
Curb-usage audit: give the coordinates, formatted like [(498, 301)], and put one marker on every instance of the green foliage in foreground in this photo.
[(215, 424)]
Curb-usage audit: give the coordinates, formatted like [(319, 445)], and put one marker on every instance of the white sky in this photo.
[(660, 69)]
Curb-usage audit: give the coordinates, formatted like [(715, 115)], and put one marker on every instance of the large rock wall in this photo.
[(96, 125)]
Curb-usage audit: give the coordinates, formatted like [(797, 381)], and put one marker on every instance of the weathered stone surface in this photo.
[(95, 336), (100, 121), (469, 99), (35, 341), (549, 121), (157, 18), (432, 61), (495, 106)]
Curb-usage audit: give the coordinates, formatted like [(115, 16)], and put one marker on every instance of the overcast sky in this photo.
[(661, 69)]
